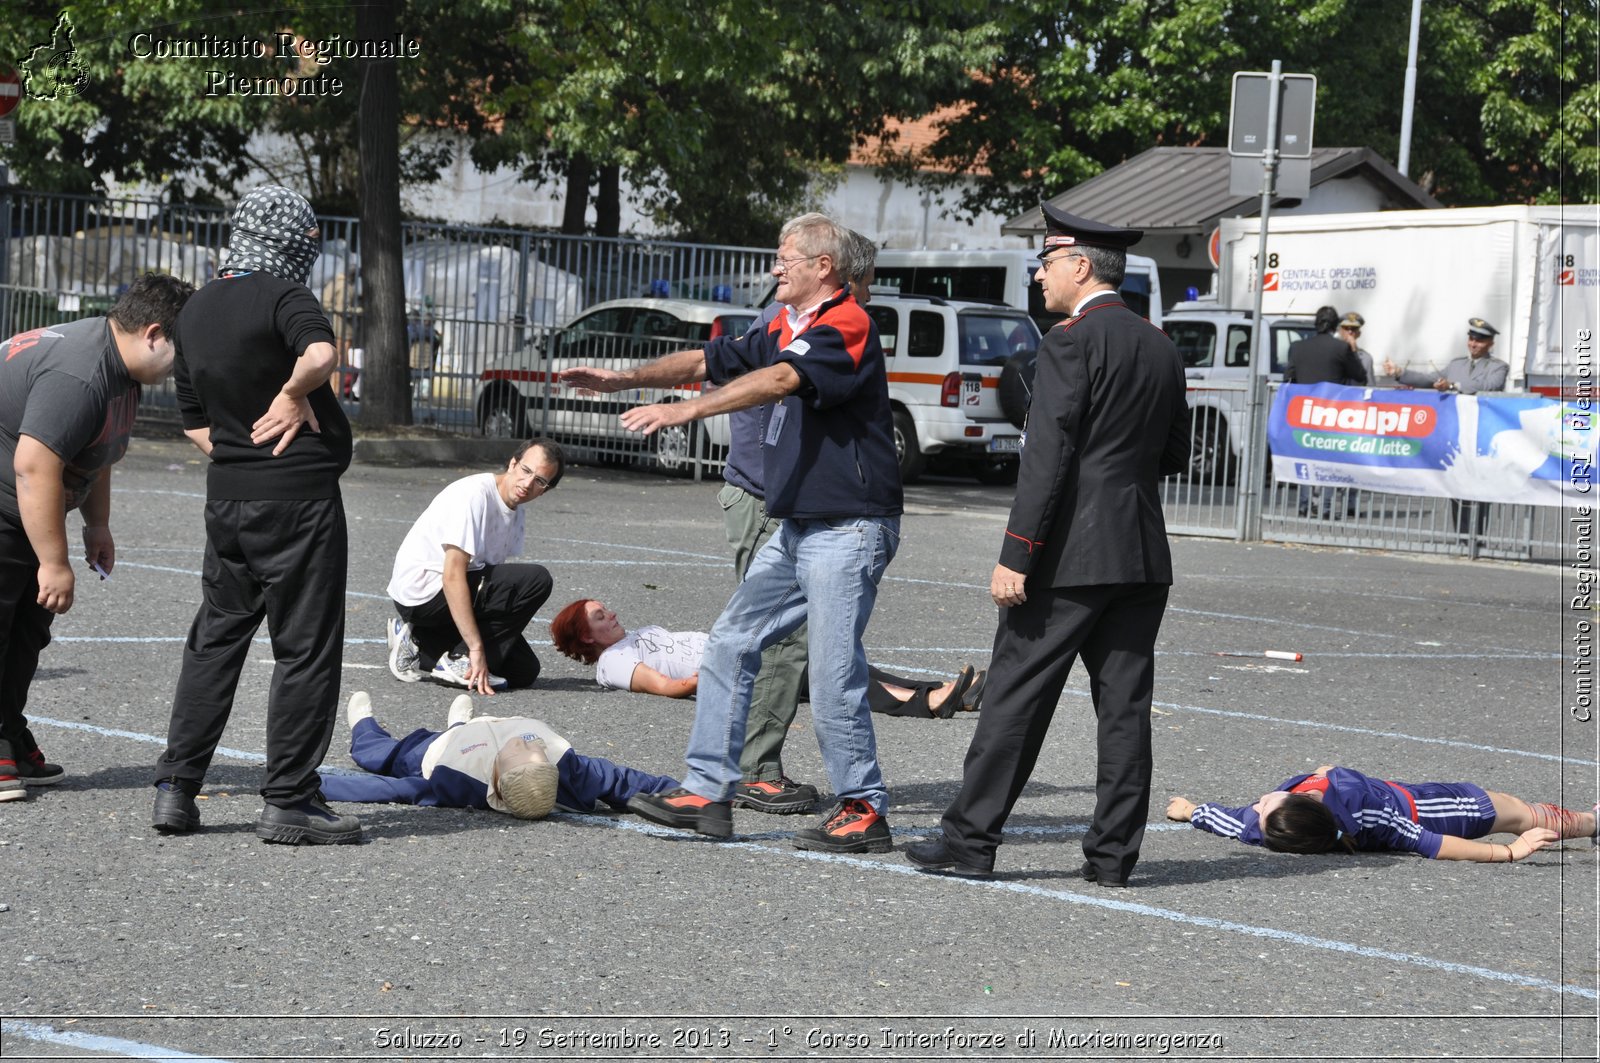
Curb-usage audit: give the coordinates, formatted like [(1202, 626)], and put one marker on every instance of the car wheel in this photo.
[(503, 419), (677, 447), (998, 471), (1211, 457), (906, 449)]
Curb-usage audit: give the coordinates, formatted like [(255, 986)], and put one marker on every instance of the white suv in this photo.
[(944, 360), (518, 391), (1214, 343)]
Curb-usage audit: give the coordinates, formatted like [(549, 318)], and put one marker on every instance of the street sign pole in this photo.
[(1247, 519)]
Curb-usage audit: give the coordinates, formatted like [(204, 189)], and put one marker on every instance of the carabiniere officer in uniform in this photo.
[(1084, 566)]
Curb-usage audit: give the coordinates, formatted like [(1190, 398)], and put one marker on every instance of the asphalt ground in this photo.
[(460, 934)]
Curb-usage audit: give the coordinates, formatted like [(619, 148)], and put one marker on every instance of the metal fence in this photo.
[(476, 298), (1207, 500), (483, 306)]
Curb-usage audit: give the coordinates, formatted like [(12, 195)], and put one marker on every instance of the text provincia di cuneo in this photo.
[(285, 46)]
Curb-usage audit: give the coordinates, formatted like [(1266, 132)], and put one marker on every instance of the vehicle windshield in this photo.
[(992, 337)]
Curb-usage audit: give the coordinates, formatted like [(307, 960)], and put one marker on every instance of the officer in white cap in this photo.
[(1477, 371)]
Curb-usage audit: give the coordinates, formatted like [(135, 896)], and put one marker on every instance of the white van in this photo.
[(1002, 276), (944, 361)]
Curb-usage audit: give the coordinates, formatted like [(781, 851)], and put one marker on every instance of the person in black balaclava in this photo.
[(254, 354)]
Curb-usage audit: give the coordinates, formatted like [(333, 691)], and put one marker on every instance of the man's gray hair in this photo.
[(1110, 264), (860, 256), (817, 234)]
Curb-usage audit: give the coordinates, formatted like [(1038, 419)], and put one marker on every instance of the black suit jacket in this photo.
[(1109, 419), (1324, 359)]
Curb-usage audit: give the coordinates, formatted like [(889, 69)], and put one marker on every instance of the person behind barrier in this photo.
[(1475, 372), (462, 608), (68, 396), (1337, 809), (1350, 331), (511, 764), (653, 660)]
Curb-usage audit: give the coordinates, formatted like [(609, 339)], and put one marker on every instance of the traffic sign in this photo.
[(10, 90), (1247, 126)]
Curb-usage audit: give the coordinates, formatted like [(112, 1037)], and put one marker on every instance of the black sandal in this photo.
[(974, 698), (952, 702)]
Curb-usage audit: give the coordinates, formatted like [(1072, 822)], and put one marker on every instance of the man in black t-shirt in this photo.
[(68, 395), (254, 355)]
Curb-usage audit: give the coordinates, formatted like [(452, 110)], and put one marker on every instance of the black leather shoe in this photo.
[(933, 854), (1088, 871), (175, 811), (311, 822)]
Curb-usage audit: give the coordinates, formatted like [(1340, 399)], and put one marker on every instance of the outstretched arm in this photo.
[(1180, 809), (1523, 846), (647, 680), (670, 370), (752, 389)]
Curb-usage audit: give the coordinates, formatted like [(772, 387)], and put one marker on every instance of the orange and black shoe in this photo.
[(785, 797), (686, 810), (852, 827)]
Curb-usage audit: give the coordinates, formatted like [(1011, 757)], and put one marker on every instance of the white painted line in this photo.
[(95, 1043), (1131, 908)]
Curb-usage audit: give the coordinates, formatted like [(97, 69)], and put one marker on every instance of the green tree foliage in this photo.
[(1506, 98), (722, 113)]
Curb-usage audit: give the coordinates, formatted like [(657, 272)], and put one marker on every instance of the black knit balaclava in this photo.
[(269, 234)]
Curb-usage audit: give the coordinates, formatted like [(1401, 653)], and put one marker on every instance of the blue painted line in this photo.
[(96, 1043), (1289, 937)]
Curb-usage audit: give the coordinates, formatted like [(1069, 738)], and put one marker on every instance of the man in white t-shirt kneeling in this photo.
[(462, 609)]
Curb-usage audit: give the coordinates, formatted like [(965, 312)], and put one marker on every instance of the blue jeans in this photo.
[(824, 572)]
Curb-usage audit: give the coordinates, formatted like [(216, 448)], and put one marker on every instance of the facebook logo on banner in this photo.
[(1302, 471)]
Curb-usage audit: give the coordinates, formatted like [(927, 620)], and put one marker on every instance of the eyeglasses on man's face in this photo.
[(1046, 263), (783, 265)]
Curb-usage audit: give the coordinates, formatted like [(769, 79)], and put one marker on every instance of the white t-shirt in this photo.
[(468, 514), (675, 654)]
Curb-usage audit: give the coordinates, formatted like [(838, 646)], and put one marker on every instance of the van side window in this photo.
[(1196, 342), (927, 334), (888, 322), (1238, 349), (1282, 338)]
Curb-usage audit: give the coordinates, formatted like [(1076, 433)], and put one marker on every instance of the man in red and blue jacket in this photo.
[(831, 474)]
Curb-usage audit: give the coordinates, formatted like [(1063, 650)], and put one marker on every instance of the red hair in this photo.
[(570, 632)]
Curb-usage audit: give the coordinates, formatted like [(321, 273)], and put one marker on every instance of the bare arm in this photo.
[(43, 501), (670, 370), (1523, 846), (647, 680), (458, 596), (98, 546), (290, 407), (752, 389)]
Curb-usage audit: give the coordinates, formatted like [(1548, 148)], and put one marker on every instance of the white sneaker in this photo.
[(453, 670), (403, 661), (460, 710), (360, 708)]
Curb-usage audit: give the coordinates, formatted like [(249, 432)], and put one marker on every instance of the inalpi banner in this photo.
[(1490, 448)]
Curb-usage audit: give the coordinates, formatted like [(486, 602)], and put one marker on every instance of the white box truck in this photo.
[(1418, 275)]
